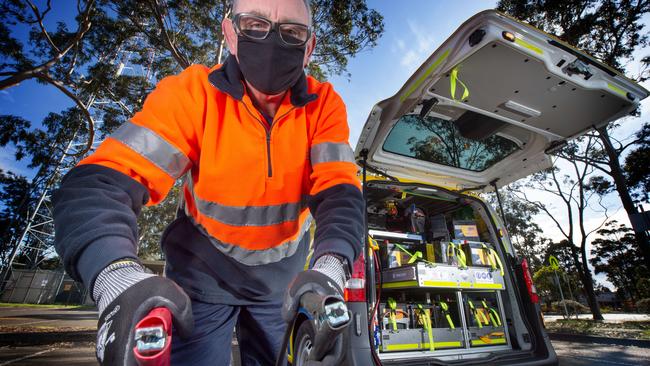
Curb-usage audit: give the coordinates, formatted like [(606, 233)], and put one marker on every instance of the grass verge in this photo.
[(626, 329)]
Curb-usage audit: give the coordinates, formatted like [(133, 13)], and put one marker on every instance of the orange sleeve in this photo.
[(160, 143), (332, 158)]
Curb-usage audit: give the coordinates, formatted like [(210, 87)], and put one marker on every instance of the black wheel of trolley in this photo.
[(303, 343)]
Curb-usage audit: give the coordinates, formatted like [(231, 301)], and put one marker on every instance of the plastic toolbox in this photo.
[(426, 275)]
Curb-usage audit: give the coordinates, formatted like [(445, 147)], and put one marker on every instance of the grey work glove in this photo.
[(125, 294), (327, 277), (325, 280)]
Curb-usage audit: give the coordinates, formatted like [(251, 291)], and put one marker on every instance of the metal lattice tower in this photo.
[(36, 243)]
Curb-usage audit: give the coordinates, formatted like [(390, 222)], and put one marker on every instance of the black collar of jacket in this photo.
[(228, 78)]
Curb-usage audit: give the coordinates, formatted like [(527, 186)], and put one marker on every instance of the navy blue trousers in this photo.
[(259, 329)]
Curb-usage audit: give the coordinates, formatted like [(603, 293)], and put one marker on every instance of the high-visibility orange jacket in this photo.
[(250, 184)]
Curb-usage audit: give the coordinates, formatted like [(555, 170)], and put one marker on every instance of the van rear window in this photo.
[(440, 141)]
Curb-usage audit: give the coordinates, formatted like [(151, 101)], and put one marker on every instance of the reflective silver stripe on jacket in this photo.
[(153, 148), (326, 152), (251, 257), (247, 215)]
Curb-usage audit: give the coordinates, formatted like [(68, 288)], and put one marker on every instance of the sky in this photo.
[(413, 30)]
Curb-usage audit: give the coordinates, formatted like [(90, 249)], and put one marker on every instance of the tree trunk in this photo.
[(587, 282), (642, 239)]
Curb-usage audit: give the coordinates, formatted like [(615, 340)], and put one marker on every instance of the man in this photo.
[(261, 149)]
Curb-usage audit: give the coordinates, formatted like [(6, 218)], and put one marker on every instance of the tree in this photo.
[(546, 284), (525, 233), (616, 254), (563, 252), (637, 169), (42, 147), (343, 28), (51, 58), (152, 222), (89, 65), (189, 31), (611, 31), (14, 194), (17, 66), (577, 191)]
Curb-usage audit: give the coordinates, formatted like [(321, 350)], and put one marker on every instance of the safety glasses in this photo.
[(257, 27)]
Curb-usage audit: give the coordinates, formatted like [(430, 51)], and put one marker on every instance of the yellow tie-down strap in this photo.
[(426, 324), (445, 310), (478, 315), (456, 251), (453, 79), (413, 257), (494, 317), (494, 260), (392, 305)]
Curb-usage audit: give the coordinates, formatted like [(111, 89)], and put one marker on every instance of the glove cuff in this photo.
[(115, 279), (333, 267)]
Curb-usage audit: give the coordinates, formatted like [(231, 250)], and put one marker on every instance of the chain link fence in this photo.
[(43, 287)]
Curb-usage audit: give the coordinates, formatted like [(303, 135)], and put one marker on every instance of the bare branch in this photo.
[(633, 142), (598, 164), (39, 18), (121, 104), (180, 58), (542, 207), (18, 77), (557, 184), (605, 213), (91, 123)]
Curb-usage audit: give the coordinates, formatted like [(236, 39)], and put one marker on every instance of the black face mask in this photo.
[(269, 65)]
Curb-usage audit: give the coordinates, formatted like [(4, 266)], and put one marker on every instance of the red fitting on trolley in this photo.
[(153, 337)]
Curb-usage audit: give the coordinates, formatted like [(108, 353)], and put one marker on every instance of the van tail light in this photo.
[(355, 288), (532, 291)]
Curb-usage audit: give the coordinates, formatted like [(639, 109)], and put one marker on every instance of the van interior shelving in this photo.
[(441, 286)]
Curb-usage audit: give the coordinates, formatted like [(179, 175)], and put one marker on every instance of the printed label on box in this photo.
[(483, 277)]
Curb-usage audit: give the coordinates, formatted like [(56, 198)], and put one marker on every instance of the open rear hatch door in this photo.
[(489, 105)]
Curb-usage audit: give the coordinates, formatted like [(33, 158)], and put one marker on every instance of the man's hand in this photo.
[(313, 289), (326, 278), (115, 335)]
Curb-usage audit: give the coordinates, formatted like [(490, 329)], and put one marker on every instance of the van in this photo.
[(439, 281)]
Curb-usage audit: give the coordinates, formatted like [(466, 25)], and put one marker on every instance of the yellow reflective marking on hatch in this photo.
[(421, 79), (530, 46), (616, 89)]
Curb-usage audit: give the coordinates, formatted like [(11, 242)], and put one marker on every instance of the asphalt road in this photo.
[(581, 354), (47, 318), (570, 354), (72, 354), (59, 352)]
